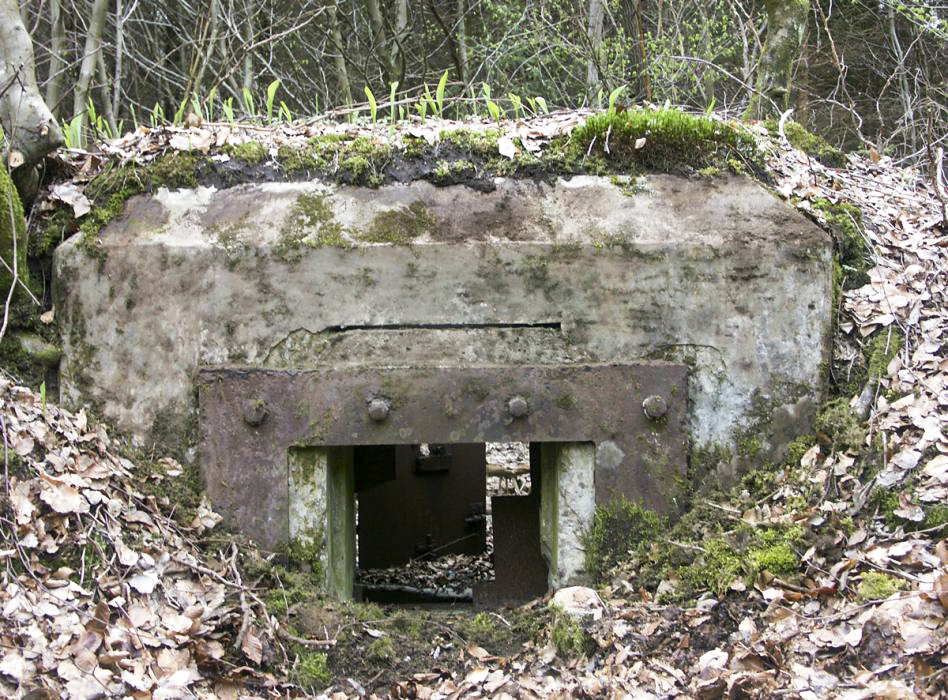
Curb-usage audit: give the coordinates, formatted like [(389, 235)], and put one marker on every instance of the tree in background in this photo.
[(862, 71), (29, 128)]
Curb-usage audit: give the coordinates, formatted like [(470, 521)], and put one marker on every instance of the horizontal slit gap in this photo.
[(553, 325)]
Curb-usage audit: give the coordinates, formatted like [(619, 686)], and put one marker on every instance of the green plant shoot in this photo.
[(391, 100), (271, 98), (517, 104), (373, 107), (613, 96), (227, 107), (178, 119), (439, 93), (492, 107), (249, 107)]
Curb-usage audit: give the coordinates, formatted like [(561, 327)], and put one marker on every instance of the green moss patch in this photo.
[(310, 670), (876, 585), (850, 249), (354, 161), (618, 528), (251, 152), (12, 230), (399, 226), (311, 224), (569, 637), (665, 140), (881, 350), (839, 424), (115, 185), (812, 144)]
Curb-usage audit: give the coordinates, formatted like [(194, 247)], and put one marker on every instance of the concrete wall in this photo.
[(717, 273)]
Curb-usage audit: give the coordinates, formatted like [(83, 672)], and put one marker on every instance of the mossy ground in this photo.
[(569, 637), (617, 529), (812, 144), (876, 585)]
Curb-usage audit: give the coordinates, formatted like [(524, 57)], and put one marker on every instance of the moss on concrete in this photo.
[(12, 233), (354, 161), (251, 152), (399, 226), (115, 185), (665, 140), (311, 224), (307, 553)]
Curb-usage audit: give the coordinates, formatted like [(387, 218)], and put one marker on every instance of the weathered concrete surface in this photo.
[(716, 273), (567, 509), (321, 515)]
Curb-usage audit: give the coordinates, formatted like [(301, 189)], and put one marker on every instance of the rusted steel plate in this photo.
[(520, 573), (250, 417)]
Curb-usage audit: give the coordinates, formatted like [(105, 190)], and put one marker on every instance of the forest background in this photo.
[(860, 73)]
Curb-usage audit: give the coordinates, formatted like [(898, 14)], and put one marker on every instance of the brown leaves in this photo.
[(126, 618)]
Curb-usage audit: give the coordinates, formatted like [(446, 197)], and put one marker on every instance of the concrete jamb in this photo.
[(322, 511), (340, 572), (567, 508)]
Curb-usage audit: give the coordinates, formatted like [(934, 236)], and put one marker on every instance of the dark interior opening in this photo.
[(430, 518)]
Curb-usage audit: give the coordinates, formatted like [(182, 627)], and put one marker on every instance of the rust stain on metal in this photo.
[(244, 466)]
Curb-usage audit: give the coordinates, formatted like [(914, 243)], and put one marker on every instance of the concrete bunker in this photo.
[(276, 330)]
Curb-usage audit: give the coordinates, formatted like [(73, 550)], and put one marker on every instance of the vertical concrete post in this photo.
[(322, 512), (567, 508)]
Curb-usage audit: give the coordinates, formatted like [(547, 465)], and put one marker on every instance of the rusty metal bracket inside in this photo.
[(634, 413)]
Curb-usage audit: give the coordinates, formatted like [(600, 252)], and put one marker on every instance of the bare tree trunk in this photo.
[(905, 92), (786, 25), (208, 51), (30, 128), (594, 36), (462, 39), (401, 31), (104, 83), (57, 63), (119, 55), (89, 57), (247, 81), (342, 73), (640, 21), (378, 31)]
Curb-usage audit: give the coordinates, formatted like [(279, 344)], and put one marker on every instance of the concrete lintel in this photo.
[(567, 508), (322, 511)]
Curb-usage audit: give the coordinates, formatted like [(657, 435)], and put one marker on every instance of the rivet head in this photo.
[(379, 409), (655, 407), (517, 407), (254, 412)]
